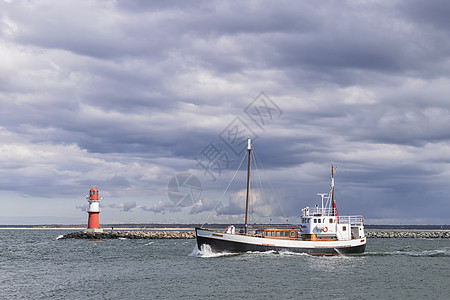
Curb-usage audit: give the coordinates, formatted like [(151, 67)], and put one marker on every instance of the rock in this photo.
[(407, 234)]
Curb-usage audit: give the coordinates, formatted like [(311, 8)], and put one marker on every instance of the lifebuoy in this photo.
[(325, 229), (362, 218)]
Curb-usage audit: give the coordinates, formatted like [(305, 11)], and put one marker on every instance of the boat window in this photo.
[(271, 233), (278, 233), (331, 221), (320, 220), (292, 233), (344, 228), (315, 220)]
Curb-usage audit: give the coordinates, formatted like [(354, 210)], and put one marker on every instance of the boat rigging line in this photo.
[(270, 183), (256, 160), (226, 189)]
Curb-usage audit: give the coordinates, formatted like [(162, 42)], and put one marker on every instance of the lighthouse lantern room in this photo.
[(93, 211)]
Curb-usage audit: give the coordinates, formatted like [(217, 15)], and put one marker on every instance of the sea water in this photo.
[(35, 264)]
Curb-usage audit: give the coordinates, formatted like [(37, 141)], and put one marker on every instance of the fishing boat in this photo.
[(322, 231)]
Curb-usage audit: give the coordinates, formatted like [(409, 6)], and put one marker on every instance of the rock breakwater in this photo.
[(169, 234), (408, 234)]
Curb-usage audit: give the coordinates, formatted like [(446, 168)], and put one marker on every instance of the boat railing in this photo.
[(352, 220), (317, 211)]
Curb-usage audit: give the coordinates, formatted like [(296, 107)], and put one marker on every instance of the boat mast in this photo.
[(249, 149), (332, 190), (335, 213)]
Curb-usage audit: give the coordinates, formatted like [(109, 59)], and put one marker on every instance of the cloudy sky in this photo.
[(136, 97)]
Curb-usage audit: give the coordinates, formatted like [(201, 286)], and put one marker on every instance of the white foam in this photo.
[(194, 251), (293, 253), (435, 252), (60, 236), (262, 252), (279, 253), (206, 252)]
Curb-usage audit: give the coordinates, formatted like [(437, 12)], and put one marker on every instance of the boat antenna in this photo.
[(322, 195), (249, 149)]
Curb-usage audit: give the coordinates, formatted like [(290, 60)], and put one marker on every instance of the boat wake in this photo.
[(426, 253), (206, 252), (284, 253), (60, 237)]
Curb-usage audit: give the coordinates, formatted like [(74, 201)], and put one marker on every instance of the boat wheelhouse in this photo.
[(320, 225)]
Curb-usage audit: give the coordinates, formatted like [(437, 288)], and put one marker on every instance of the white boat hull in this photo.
[(235, 243)]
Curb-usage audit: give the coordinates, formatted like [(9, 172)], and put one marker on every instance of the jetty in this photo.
[(416, 234), (132, 234)]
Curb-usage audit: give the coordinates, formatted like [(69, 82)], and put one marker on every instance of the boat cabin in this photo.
[(320, 224), (282, 234)]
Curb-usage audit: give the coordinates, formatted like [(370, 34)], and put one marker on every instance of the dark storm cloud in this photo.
[(127, 94), (87, 29), (126, 206), (434, 13)]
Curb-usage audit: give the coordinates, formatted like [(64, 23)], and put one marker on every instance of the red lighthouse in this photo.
[(93, 211)]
